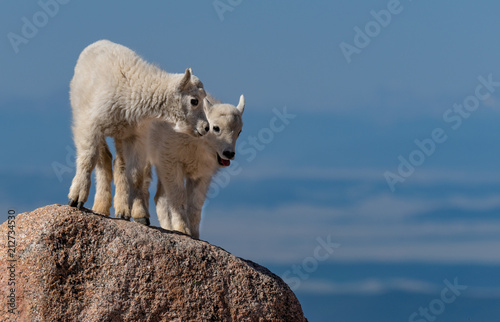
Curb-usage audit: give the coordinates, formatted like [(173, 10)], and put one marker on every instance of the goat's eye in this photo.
[(216, 129), (194, 102)]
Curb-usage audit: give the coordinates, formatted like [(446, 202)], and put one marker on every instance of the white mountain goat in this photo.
[(116, 93), (185, 166)]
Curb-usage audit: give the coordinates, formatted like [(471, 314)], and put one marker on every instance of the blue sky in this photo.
[(324, 173)]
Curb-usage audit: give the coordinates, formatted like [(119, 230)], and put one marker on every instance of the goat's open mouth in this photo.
[(223, 162)]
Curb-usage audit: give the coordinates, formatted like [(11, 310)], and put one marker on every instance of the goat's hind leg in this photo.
[(87, 153), (104, 177), (135, 156)]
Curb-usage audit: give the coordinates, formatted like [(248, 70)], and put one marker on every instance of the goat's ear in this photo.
[(186, 78), (207, 103), (241, 104)]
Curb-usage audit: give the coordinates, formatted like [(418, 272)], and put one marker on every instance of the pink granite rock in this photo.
[(75, 265)]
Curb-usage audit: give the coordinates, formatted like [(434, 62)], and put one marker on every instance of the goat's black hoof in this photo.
[(144, 221), (121, 216), (72, 203)]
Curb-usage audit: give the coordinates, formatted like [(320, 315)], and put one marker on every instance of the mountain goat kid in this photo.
[(115, 93), (185, 165)]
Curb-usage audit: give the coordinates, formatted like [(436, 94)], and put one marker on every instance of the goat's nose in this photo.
[(229, 154), (203, 128)]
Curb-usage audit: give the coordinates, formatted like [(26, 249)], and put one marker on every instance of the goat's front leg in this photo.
[(122, 208), (171, 200), (196, 191), (162, 211)]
